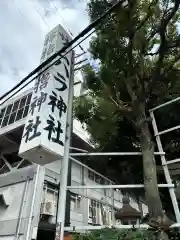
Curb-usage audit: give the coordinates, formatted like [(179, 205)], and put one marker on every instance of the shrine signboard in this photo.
[(44, 133)]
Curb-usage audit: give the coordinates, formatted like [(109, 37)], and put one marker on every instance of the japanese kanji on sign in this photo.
[(45, 129)]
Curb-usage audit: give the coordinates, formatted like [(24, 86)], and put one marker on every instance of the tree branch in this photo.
[(163, 45), (175, 43), (141, 24), (123, 107), (164, 22), (152, 54), (131, 34), (170, 66)]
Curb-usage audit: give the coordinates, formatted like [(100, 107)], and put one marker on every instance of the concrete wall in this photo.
[(110, 198), (24, 188), (21, 217)]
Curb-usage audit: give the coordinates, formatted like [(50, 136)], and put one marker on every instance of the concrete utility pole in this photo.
[(68, 198), (65, 167)]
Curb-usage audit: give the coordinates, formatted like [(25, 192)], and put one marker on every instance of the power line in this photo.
[(66, 26), (63, 49), (57, 10), (78, 63), (79, 55), (64, 23), (81, 67), (41, 17), (46, 69), (20, 12)]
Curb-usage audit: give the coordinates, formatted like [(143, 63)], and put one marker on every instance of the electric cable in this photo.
[(57, 11), (43, 19), (19, 89), (22, 14), (63, 49)]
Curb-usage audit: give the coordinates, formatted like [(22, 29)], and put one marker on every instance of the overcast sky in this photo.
[(24, 24)]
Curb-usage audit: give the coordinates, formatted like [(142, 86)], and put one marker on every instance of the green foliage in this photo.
[(130, 234), (128, 72), (115, 234), (138, 47)]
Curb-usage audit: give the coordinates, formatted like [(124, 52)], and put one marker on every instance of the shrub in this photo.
[(115, 234), (130, 234)]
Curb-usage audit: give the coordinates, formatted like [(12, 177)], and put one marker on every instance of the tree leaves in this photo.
[(115, 234), (138, 50)]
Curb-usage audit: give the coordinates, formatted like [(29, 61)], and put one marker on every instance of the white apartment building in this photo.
[(28, 192)]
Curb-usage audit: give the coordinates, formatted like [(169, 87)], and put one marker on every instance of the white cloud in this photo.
[(24, 25)]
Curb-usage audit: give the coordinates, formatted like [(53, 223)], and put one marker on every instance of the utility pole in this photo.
[(65, 168), (67, 222)]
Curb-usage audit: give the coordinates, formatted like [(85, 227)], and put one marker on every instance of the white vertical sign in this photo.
[(54, 41), (45, 129)]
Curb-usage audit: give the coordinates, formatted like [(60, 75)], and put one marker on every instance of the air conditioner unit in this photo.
[(48, 208)]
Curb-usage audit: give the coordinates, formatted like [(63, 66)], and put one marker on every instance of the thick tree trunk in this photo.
[(150, 177), (156, 213)]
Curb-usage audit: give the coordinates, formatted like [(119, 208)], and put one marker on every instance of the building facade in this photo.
[(28, 192)]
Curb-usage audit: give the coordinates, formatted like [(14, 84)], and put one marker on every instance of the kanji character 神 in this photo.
[(37, 102), (57, 102)]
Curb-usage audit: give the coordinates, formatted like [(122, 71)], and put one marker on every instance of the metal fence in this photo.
[(164, 163)]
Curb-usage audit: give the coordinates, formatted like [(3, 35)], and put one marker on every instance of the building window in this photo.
[(2, 112), (75, 202), (93, 209), (16, 111), (96, 178), (95, 213), (99, 179), (91, 175)]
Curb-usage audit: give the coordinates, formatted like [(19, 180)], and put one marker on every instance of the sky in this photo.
[(24, 24)]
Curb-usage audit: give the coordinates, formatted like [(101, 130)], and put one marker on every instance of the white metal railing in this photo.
[(173, 161), (163, 159), (90, 169), (165, 104), (165, 163), (128, 186), (119, 226), (112, 154), (168, 130)]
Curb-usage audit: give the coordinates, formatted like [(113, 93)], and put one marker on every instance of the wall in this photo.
[(110, 198), (16, 182), (21, 217)]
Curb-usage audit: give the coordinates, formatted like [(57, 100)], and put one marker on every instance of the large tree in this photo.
[(137, 50)]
